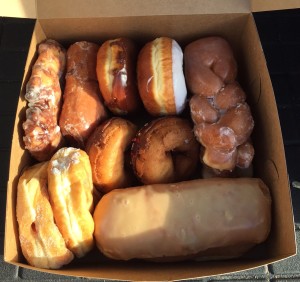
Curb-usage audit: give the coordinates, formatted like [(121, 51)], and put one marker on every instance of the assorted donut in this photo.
[(126, 117)]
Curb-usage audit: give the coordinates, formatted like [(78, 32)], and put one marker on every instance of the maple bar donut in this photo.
[(165, 150), (161, 81), (204, 219), (116, 72), (222, 119), (108, 149), (41, 242), (71, 195), (42, 136), (83, 108)]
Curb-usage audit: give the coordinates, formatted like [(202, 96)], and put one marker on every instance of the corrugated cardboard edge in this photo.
[(18, 8)]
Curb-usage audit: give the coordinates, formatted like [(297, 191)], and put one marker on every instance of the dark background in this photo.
[(280, 37)]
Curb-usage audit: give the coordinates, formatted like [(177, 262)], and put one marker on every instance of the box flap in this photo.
[(270, 5), (18, 8), (115, 8)]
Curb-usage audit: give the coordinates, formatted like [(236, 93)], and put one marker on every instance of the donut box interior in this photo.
[(68, 21)]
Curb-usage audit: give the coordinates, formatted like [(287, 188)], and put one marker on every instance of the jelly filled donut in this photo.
[(165, 150), (107, 148), (161, 81)]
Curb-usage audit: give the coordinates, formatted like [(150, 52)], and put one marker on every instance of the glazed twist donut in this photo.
[(165, 150), (222, 119), (42, 134)]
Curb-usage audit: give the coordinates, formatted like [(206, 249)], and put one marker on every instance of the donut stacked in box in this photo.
[(122, 137)]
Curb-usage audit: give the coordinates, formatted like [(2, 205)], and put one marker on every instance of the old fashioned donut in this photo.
[(116, 72), (71, 195), (108, 149), (222, 118), (41, 241), (161, 81), (165, 150), (83, 108)]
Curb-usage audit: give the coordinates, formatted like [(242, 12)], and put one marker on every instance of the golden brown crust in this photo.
[(71, 196), (201, 219), (107, 148), (209, 65), (155, 78), (116, 72), (164, 151), (41, 242), (222, 118), (82, 109), (42, 136)]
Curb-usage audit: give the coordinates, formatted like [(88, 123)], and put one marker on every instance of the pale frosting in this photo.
[(179, 86)]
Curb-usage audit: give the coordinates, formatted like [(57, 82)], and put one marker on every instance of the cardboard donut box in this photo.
[(183, 20)]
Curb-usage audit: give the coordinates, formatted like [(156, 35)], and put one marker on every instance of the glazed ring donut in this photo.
[(165, 151), (106, 148), (116, 61)]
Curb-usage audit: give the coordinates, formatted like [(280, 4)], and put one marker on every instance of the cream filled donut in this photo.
[(161, 81)]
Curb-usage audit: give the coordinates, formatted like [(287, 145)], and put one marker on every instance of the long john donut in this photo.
[(42, 134), (202, 219)]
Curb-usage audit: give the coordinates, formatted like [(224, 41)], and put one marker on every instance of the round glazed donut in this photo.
[(106, 148), (165, 150), (161, 81), (116, 62)]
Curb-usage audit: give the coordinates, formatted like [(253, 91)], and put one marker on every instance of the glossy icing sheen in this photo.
[(171, 220)]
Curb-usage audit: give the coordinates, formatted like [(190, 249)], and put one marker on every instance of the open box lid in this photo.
[(112, 8)]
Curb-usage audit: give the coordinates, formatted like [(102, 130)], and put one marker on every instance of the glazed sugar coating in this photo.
[(164, 151), (107, 149), (116, 61), (209, 65), (83, 108), (222, 119), (41, 131)]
